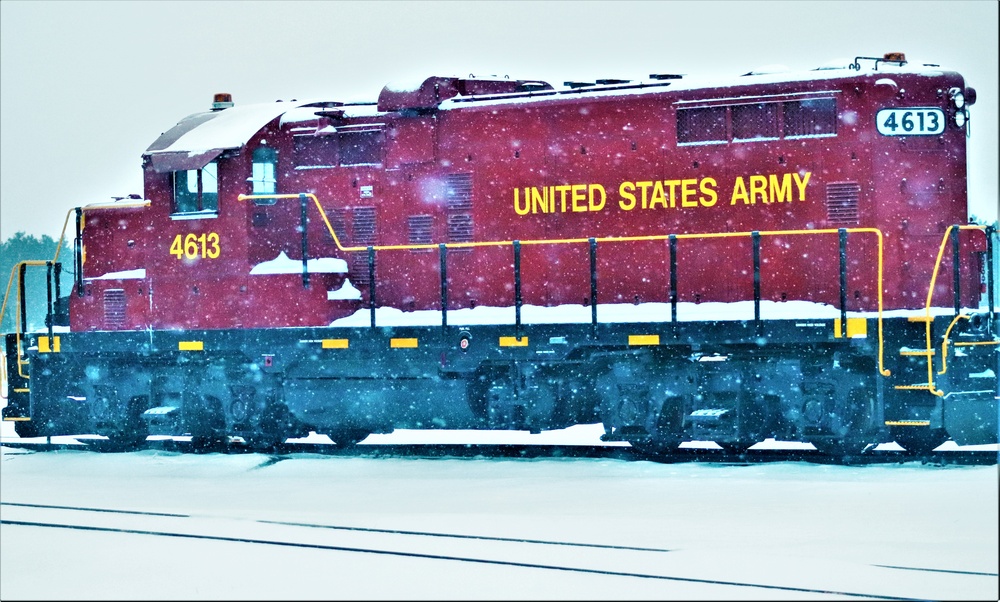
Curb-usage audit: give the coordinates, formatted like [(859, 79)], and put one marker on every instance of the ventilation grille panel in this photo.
[(458, 192), (842, 202), (460, 227), (114, 309), (420, 230), (362, 235)]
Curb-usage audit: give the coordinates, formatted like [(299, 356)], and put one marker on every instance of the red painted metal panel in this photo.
[(550, 165)]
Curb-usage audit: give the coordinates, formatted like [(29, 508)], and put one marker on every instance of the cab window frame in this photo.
[(264, 171), (195, 192)]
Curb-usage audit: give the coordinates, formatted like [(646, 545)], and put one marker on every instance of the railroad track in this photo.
[(625, 564)]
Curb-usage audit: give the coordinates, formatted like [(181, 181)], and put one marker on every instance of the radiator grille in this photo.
[(458, 195), (114, 309), (460, 227), (337, 222), (458, 192), (362, 234), (842, 202), (420, 229)]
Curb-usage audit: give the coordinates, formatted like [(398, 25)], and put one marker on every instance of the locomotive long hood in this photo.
[(199, 138)]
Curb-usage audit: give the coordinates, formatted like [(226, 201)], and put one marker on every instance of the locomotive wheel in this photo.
[(209, 443), (26, 428), (276, 425), (656, 448), (735, 447), (852, 427), (343, 438), (133, 432), (125, 441), (919, 440), (264, 442), (841, 447), (206, 422)]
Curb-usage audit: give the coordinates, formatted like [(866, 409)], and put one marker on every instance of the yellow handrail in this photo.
[(55, 259), (652, 237), (927, 307), (17, 312), (944, 343)]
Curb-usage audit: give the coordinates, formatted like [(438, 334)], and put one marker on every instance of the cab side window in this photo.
[(264, 172), (196, 190)]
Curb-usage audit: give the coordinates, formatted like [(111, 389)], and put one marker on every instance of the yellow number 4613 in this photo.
[(193, 246)]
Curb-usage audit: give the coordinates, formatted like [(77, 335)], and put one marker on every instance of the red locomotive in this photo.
[(775, 255)]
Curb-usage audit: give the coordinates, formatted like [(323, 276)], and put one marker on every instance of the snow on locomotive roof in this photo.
[(762, 75), (201, 137), (308, 113), (227, 128)]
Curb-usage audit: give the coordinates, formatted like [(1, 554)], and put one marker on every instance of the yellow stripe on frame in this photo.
[(190, 346), (907, 422), (513, 342), (45, 346), (643, 339), (335, 343), (16, 419), (403, 343), (856, 327)]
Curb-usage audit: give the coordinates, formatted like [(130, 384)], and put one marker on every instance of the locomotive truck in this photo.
[(778, 254)]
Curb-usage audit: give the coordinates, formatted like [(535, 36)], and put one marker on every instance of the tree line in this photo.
[(25, 247)]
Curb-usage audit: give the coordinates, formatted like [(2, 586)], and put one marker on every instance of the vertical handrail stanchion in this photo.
[(956, 268), (56, 278), (755, 236), (517, 288), (673, 279), (593, 286), (842, 232), (78, 252), (371, 283), (49, 319), (304, 219), (444, 284), (24, 304), (990, 282)]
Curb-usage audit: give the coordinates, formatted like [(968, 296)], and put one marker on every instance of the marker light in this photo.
[(970, 96), (957, 98), (221, 101)]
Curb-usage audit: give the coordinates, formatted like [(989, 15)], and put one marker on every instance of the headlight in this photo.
[(960, 118), (957, 97)]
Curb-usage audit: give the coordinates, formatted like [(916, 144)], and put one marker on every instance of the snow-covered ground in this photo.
[(305, 526)]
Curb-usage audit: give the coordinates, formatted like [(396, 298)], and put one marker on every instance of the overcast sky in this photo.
[(85, 87)]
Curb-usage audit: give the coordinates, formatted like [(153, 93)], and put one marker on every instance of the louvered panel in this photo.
[(460, 227), (458, 192), (420, 229), (114, 309), (842, 202), (458, 195), (339, 225), (362, 234)]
